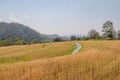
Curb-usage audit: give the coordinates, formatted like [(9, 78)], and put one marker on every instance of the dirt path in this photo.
[(77, 49)]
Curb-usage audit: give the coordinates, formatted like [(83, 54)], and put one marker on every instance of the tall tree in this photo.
[(34, 41), (108, 30), (93, 34)]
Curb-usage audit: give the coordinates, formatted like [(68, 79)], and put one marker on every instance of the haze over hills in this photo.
[(19, 30), (15, 30)]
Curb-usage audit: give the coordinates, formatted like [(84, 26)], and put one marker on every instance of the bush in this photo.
[(73, 38), (20, 42), (34, 41), (6, 43), (57, 39)]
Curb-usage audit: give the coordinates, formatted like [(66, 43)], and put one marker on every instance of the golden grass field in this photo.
[(12, 54), (98, 60)]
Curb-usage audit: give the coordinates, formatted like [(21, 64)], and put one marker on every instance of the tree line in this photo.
[(17, 41), (108, 30), (19, 34)]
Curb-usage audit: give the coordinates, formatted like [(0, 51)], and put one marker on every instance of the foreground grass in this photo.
[(98, 60), (14, 54)]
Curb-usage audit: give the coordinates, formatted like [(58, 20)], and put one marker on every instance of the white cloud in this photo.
[(26, 16), (13, 18), (1, 20), (12, 14)]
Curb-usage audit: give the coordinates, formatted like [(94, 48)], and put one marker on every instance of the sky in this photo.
[(63, 17)]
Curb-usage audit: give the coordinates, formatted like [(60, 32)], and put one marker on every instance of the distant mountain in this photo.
[(79, 35), (51, 37), (15, 30), (65, 37)]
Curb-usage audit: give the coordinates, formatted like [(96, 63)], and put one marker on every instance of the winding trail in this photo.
[(77, 49)]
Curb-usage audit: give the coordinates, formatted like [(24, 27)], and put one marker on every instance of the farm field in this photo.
[(13, 54), (97, 60)]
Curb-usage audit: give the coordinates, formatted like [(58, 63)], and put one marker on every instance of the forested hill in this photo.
[(14, 30)]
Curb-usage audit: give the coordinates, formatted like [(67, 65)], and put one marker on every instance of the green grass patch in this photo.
[(82, 47), (14, 59)]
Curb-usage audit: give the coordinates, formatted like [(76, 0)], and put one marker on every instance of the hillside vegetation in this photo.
[(98, 60), (14, 30), (19, 34)]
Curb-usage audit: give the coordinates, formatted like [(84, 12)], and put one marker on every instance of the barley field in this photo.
[(13, 54), (97, 60)]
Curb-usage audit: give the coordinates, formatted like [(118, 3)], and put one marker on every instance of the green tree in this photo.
[(73, 38), (108, 30), (78, 38), (35, 41), (57, 39), (7, 43), (93, 34), (19, 41), (118, 34)]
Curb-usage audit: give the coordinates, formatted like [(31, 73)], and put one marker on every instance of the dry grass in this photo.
[(13, 54), (98, 60)]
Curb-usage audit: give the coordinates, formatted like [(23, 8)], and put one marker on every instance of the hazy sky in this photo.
[(62, 17)]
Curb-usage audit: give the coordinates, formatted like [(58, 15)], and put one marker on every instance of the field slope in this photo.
[(12, 54), (98, 60)]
